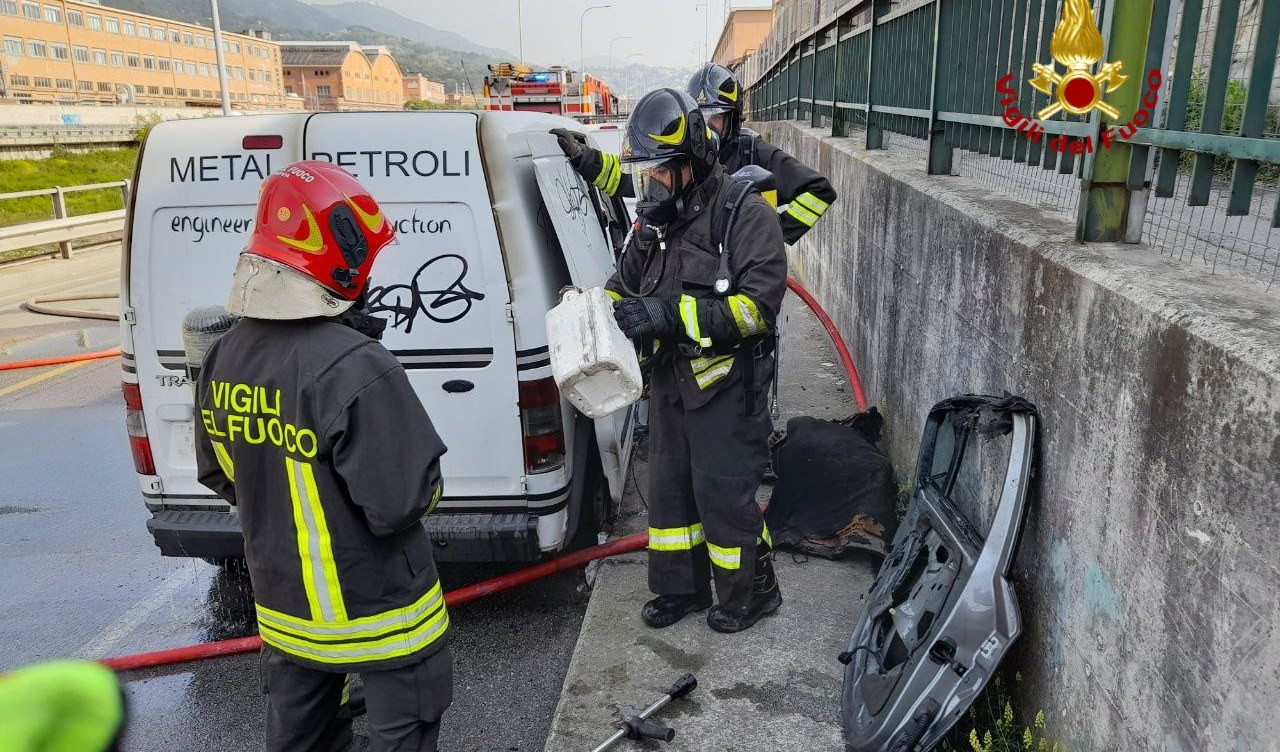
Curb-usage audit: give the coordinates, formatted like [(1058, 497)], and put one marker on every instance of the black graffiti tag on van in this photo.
[(379, 163), (429, 293)]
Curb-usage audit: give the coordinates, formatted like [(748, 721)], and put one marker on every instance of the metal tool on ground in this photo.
[(637, 726)]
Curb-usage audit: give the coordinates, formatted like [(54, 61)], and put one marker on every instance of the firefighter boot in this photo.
[(666, 610), (766, 597)]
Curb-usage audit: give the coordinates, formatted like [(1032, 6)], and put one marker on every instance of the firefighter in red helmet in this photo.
[(309, 426)]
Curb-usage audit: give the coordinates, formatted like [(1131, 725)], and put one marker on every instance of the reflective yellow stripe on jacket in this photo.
[(315, 547), (807, 208), (610, 173), (392, 634), (224, 460), (708, 371), (689, 315), (329, 635), (746, 315)]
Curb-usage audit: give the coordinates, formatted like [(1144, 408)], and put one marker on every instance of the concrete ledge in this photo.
[(1148, 570)]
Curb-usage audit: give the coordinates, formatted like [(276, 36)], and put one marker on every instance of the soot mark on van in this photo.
[(447, 302)]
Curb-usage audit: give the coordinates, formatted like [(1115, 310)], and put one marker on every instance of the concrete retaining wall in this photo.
[(1149, 575)]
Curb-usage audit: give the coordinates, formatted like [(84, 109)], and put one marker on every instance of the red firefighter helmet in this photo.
[(316, 236)]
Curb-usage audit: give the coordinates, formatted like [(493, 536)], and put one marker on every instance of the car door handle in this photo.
[(458, 386)]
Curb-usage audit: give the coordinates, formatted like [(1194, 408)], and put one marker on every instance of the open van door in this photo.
[(578, 215)]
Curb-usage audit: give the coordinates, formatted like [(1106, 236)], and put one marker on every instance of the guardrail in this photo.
[(72, 133), (63, 229)]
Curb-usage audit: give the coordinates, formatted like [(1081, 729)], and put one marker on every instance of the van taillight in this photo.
[(138, 441), (540, 423)]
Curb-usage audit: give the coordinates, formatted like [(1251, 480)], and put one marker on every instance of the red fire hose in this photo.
[(61, 359), (851, 370), (629, 544)]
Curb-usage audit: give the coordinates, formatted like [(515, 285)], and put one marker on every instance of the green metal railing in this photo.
[(928, 69)]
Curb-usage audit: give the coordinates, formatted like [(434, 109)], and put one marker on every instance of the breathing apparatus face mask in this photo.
[(660, 189)]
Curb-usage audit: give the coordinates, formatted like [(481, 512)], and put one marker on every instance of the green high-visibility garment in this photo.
[(60, 706)]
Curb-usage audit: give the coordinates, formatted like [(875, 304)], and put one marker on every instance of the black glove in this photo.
[(572, 143), (647, 317)]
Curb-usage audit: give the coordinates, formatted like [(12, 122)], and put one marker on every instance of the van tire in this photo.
[(597, 510)]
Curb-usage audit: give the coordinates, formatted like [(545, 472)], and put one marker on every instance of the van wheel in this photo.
[(598, 508)]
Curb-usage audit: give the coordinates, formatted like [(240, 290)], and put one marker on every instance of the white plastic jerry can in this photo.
[(593, 362)]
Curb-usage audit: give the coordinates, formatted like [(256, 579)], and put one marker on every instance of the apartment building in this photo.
[(342, 76), (743, 32), (78, 52)]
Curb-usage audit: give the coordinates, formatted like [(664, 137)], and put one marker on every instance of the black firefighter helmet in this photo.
[(717, 93), (666, 129)]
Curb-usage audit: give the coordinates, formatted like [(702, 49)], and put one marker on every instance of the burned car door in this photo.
[(942, 613)]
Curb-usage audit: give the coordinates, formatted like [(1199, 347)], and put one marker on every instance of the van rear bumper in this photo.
[(455, 537), (200, 534)]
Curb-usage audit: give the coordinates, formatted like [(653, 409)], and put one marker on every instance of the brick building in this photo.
[(342, 76), (418, 86), (76, 52)]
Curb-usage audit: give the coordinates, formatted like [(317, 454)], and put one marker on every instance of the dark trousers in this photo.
[(307, 709), (705, 465)]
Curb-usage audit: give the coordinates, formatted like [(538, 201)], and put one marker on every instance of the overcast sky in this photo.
[(666, 32)]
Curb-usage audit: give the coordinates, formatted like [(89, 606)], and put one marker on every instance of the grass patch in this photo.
[(65, 169), (992, 725)]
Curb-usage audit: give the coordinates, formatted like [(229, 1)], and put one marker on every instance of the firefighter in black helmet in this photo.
[(803, 195), (710, 306)]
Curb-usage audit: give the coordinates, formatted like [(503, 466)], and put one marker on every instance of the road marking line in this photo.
[(43, 377), (100, 646)]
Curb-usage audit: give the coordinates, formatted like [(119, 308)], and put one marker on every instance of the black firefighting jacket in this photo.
[(684, 273), (312, 430)]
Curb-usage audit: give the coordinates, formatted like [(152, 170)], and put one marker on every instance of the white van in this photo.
[(491, 223)]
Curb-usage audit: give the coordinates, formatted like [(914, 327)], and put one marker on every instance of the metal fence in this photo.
[(1190, 166)]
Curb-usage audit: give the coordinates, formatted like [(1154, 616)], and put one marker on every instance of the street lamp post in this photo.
[(706, 11), (611, 43), (582, 59), (626, 66), (610, 68), (222, 62)]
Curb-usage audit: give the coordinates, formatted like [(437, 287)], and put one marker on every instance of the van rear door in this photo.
[(196, 194), (442, 288), (575, 211)]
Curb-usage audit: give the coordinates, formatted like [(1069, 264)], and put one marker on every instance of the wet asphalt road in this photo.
[(81, 577)]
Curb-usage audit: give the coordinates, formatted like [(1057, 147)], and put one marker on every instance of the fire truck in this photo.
[(558, 91)]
